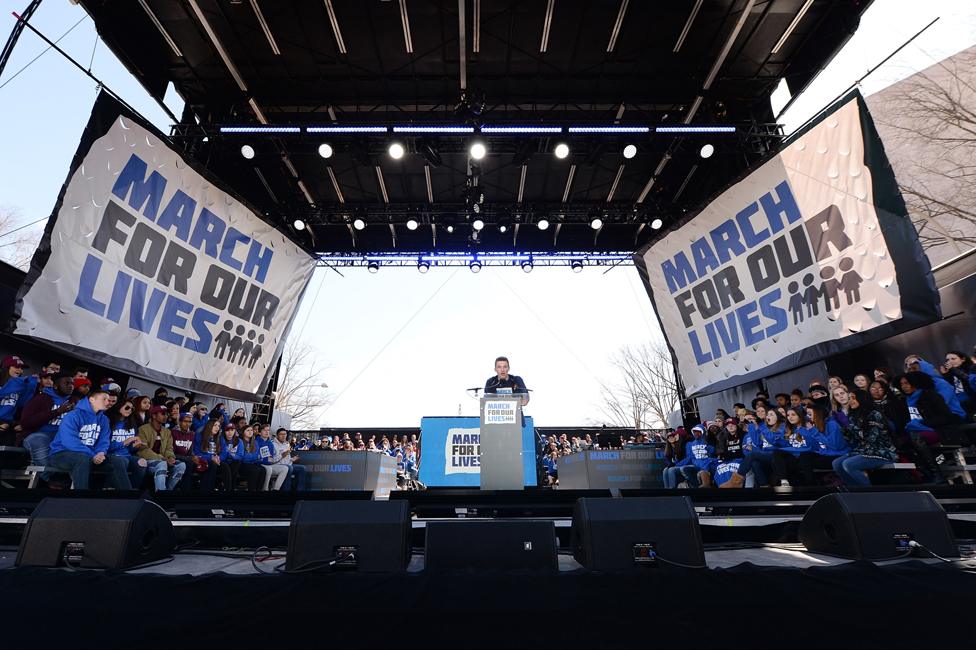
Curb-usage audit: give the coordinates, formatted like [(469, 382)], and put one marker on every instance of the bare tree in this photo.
[(928, 124), (302, 392), (645, 392), (17, 244)]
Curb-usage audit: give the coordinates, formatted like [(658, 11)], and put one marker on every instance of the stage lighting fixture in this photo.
[(423, 267), (325, 150), (630, 151), (449, 229), (576, 265), (358, 224), (596, 224), (543, 224), (298, 224), (502, 228), (527, 266), (478, 224), (247, 151), (396, 151), (428, 150), (656, 224), (475, 266), (561, 150), (478, 150), (373, 267), (412, 224), (707, 151)]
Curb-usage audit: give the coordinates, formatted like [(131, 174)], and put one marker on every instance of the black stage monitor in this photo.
[(368, 536), (96, 534), (493, 546), (877, 525), (629, 533)]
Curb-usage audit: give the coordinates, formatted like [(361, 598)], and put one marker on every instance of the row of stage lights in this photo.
[(475, 262), (477, 225)]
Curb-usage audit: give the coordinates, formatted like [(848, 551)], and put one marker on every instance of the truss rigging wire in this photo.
[(45, 50)]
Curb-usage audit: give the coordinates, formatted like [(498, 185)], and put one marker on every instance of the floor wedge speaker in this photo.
[(516, 545), (96, 534), (876, 525), (626, 534), (365, 536)]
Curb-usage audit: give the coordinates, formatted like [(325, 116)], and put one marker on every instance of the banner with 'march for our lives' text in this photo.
[(810, 254), (148, 267)]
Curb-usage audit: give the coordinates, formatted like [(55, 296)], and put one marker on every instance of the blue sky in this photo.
[(389, 359)]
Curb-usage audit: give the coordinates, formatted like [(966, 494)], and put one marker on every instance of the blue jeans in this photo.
[(39, 446), (79, 465), (160, 469), (674, 475), (296, 474), (136, 471), (851, 469)]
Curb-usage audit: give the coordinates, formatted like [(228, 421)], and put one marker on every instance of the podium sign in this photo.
[(501, 442)]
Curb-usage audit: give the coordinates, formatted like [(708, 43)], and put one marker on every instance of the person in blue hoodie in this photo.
[(15, 390), (698, 460), (760, 443), (274, 473), (252, 465), (827, 433), (124, 440), (960, 371), (928, 409), (796, 440), (946, 390), (200, 417), (82, 441), (206, 447), (230, 453)]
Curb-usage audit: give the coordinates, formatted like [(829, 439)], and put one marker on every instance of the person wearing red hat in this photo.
[(15, 390), (83, 386)]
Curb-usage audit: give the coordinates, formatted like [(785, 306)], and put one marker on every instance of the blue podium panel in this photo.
[(451, 452)]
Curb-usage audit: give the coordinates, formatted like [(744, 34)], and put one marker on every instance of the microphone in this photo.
[(475, 389)]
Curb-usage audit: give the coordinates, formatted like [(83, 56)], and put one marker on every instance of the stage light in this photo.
[(345, 129), (325, 150), (373, 267), (561, 150), (502, 228), (527, 266), (609, 129), (630, 151), (478, 224), (247, 151), (358, 224), (475, 266), (449, 229), (298, 224), (576, 265), (596, 224), (478, 150), (433, 129), (656, 224), (412, 224), (522, 129), (543, 224), (694, 129), (396, 151), (423, 267), (260, 129), (707, 151)]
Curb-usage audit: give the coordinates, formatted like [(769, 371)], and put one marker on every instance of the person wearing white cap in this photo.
[(699, 457)]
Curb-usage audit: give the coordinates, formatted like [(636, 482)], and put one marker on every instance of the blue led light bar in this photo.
[(260, 129), (433, 129), (609, 129), (690, 128), (521, 129), (346, 129)]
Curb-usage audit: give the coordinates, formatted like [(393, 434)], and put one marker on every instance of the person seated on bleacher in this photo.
[(928, 415), (200, 417), (826, 431), (550, 463), (41, 418), (274, 472), (889, 404), (869, 437), (944, 388), (15, 390), (730, 451), (696, 464), (960, 371), (295, 478), (206, 448), (158, 451), (796, 440), (183, 439), (125, 440), (760, 442), (230, 454), (252, 465), (82, 441)]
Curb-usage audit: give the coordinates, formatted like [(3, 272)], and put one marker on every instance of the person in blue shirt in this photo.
[(796, 440), (206, 448), (760, 443), (698, 461), (200, 417), (827, 434), (960, 371), (82, 441), (15, 390), (230, 453), (274, 473), (944, 388), (124, 440), (252, 464)]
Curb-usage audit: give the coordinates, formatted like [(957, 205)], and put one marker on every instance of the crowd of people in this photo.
[(839, 430), (555, 446), (71, 426), (405, 449)]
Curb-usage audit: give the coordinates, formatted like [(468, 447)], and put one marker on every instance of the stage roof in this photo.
[(475, 63)]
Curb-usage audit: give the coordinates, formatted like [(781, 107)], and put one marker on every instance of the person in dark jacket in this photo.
[(927, 413), (206, 448), (41, 418), (890, 405), (674, 448), (183, 439), (869, 438)]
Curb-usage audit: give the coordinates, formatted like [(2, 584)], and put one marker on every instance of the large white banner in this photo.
[(150, 268), (796, 261)]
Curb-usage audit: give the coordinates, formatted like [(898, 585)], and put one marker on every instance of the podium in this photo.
[(501, 442)]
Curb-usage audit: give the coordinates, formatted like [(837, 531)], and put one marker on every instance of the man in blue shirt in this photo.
[(503, 382)]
